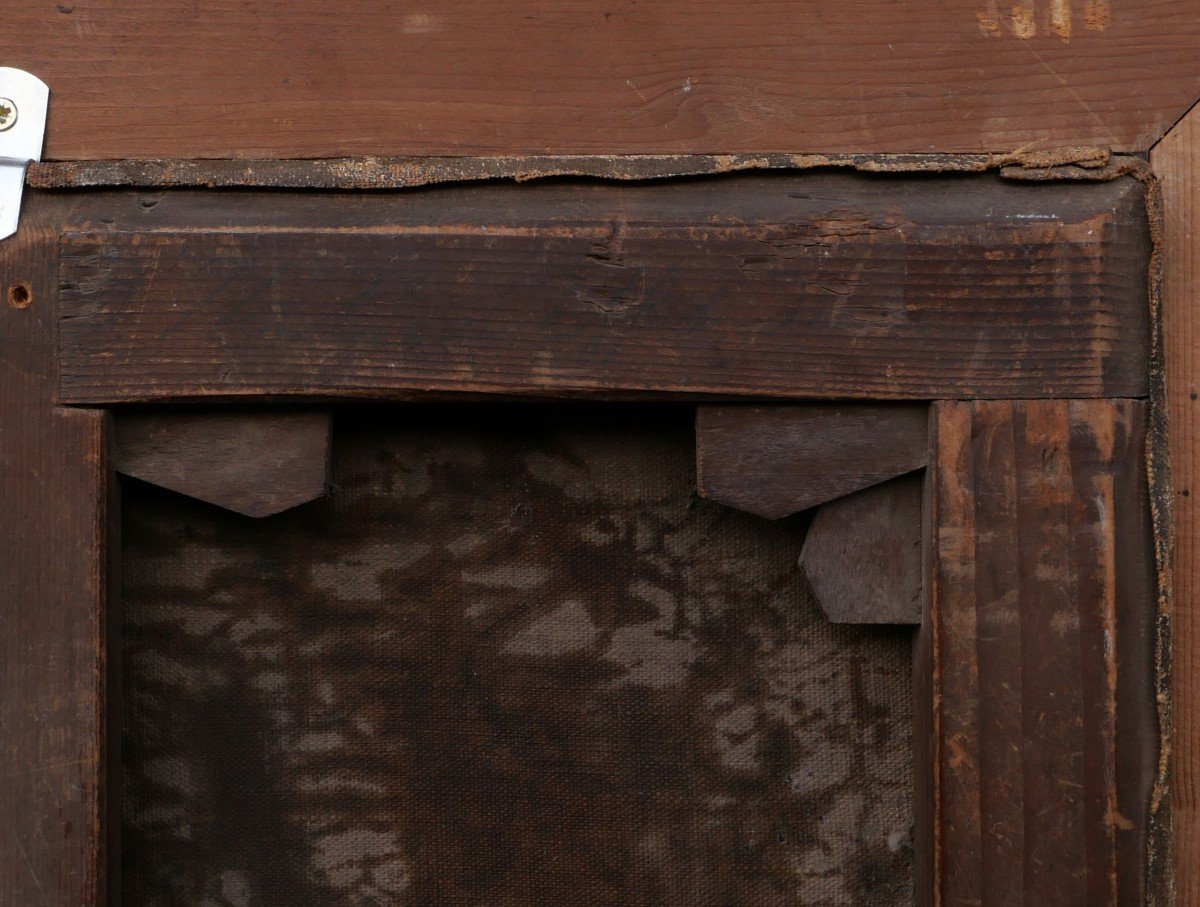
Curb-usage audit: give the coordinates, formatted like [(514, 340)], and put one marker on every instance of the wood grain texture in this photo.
[(820, 285), (1039, 643), (774, 461), (55, 732), (253, 462), (165, 78), (1176, 160), (862, 554)]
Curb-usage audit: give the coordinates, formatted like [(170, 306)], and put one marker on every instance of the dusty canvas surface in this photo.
[(512, 659)]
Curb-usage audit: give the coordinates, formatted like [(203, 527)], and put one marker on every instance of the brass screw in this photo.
[(8, 114)]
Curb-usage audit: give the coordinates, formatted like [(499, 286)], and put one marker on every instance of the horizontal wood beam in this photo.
[(819, 285), (161, 78)]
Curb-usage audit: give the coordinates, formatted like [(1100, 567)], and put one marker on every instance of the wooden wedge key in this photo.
[(255, 463)]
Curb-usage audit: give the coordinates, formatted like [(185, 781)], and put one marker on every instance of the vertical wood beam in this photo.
[(1176, 161), (1036, 712), (862, 554), (54, 582)]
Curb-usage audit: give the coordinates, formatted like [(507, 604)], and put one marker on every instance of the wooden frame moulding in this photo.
[(1020, 307)]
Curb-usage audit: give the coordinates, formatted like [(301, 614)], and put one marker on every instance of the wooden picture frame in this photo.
[(1035, 490), (1021, 313)]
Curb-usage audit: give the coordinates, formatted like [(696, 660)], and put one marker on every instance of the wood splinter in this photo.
[(256, 463)]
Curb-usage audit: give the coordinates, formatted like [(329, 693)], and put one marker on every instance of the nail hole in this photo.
[(20, 295)]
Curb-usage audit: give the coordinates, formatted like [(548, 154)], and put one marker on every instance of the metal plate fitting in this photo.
[(23, 102)]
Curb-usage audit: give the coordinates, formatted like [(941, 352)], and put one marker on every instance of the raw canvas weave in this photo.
[(511, 659)]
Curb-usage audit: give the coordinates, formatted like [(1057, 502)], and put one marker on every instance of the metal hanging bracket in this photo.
[(23, 102)]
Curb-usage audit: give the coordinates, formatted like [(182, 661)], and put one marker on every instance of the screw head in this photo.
[(8, 114)]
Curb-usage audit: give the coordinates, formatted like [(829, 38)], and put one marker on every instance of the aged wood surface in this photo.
[(825, 285), (165, 78), (1039, 644), (1176, 160), (862, 554), (254, 462), (54, 582), (393, 172), (773, 461)]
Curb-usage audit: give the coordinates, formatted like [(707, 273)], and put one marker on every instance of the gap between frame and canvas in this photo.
[(1079, 164)]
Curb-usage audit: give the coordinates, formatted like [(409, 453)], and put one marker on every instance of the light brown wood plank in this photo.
[(1038, 647), (1176, 160), (57, 739), (820, 285), (167, 78), (862, 554), (254, 462)]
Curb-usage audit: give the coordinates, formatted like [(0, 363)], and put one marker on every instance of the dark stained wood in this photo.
[(55, 735), (862, 554), (254, 462), (161, 78), (822, 285), (572, 746), (1038, 647), (773, 461)]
